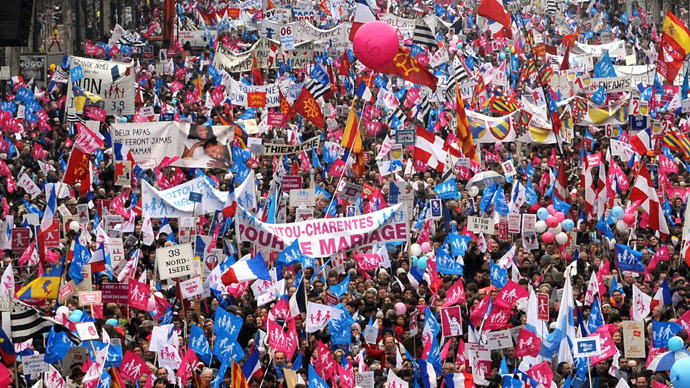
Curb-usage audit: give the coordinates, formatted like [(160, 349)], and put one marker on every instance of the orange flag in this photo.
[(464, 132), (406, 66)]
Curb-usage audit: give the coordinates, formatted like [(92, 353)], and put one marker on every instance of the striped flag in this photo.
[(551, 7), (27, 322), (238, 379), (423, 36), (460, 74)]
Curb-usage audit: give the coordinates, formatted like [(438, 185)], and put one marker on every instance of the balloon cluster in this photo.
[(553, 225), (420, 255), (455, 44), (623, 221)]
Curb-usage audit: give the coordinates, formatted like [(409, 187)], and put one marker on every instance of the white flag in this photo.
[(7, 283), (641, 302), (53, 378), (318, 316), (96, 369), (395, 382)]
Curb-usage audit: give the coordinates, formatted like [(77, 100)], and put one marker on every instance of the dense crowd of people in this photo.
[(539, 215)]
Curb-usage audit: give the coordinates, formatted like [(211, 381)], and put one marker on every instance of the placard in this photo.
[(306, 197), (633, 339), (586, 347), (87, 331), (501, 339), (175, 261), (480, 225), (514, 222), (191, 288), (414, 327), (123, 173), (291, 182), (508, 168), (405, 136), (114, 293), (351, 192), (365, 379), (89, 298), (451, 321), (34, 364), (528, 222), (20, 239), (302, 214), (543, 307)]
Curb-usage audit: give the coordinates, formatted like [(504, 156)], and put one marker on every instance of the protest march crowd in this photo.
[(352, 194)]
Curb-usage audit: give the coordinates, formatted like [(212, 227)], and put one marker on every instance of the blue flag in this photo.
[(604, 68), (458, 243), (340, 288), (447, 189), (662, 332), (199, 344), (629, 259), (57, 346), (227, 323), (596, 318), (80, 258), (446, 264), (499, 275)]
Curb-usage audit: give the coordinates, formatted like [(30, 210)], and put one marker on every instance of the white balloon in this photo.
[(474, 191), (540, 226), (621, 226), (416, 250), (74, 226), (455, 39), (561, 238), (557, 229), (612, 243)]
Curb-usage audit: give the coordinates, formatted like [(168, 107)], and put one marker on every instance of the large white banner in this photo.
[(303, 54), (304, 31), (325, 237), (616, 49), (114, 81), (196, 145), (174, 202)]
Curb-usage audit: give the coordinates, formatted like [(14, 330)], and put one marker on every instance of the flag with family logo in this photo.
[(445, 263), (339, 328), (227, 324), (227, 349), (447, 189), (340, 288), (458, 243), (629, 259), (662, 332), (199, 344), (318, 316), (499, 275), (292, 254)]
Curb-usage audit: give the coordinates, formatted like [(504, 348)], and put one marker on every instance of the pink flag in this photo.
[(542, 373), (132, 366), (138, 295), (528, 344), (455, 294), (510, 294)]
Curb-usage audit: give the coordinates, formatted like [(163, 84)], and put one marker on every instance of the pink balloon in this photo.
[(547, 237), (400, 308), (552, 222), (629, 219), (426, 247), (375, 44), (560, 216), (551, 209)]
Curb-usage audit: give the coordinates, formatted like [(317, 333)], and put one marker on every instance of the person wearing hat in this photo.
[(76, 377)]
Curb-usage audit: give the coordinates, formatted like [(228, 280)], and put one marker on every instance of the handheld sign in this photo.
[(175, 261), (195, 197), (586, 347)]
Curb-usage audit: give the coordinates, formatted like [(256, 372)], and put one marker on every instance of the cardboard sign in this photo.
[(528, 222), (586, 347), (543, 307), (114, 293), (480, 225), (20, 239), (75, 355), (123, 173), (501, 339), (86, 284), (306, 197), (89, 298), (191, 288), (633, 339), (302, 214), (83, 213), (175, 261), (414, 327), (405, 136), (508, 168), (34, 364)]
